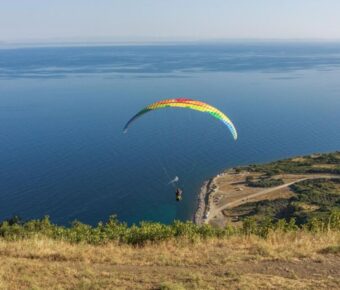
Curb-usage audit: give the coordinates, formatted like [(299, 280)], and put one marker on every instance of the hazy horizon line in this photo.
[(151, 41)]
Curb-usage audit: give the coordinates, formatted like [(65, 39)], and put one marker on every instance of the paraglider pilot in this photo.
[(178, 194)]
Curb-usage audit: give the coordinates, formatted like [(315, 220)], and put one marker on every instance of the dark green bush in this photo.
[(264, 182)]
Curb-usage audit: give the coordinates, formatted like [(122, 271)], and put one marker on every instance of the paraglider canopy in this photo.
[(189, 104)]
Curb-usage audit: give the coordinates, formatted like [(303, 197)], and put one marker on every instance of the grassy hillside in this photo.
[(282, 260), (40, 255)]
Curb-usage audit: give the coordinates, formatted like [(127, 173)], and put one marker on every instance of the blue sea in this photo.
[(62, 111)]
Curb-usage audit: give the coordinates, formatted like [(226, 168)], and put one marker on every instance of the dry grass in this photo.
[(299, 159), (327, 166), (284, 260)]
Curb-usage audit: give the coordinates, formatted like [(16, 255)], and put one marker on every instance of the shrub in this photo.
[(153, 232), (264, 182)]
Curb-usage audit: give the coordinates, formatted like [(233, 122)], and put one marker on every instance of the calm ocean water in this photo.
[(62, 110)]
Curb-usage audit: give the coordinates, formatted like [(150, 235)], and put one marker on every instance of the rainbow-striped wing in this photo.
[(189, 104)]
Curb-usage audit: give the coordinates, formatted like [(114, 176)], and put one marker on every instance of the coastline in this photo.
[(202, 210), (230, 189)]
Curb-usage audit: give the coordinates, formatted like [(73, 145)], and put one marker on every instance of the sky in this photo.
[(162, 20)]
